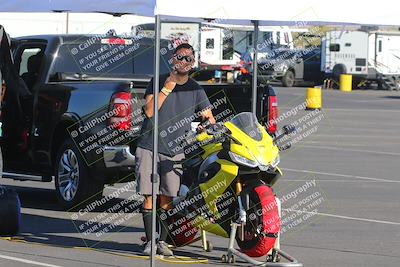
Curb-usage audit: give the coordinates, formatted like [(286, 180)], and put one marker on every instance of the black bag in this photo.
[(10, 212)]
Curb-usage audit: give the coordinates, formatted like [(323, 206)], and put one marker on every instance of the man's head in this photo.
[(183, 58)]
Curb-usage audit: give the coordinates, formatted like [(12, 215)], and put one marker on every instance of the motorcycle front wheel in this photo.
[(262, 222)]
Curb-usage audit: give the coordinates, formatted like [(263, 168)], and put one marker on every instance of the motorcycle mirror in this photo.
[(288, 129), (285, 147)]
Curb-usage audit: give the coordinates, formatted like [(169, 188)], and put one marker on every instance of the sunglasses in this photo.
[(186, 58)]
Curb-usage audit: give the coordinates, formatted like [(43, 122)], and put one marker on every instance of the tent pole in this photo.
[(255, 67), (154, 174)]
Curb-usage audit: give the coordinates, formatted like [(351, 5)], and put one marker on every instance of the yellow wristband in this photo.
[(165, 91)]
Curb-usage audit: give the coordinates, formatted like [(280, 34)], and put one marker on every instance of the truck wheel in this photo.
[(74, 185), (288, 79)]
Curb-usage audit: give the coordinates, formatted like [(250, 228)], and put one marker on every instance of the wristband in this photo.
[(165, 91)]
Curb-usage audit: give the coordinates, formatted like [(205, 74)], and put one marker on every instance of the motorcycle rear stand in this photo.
[(229, 258), (232, 252)]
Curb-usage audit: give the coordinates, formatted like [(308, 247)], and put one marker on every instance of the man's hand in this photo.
[(170, 82)]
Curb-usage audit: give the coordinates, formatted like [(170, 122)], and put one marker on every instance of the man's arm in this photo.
[(207, 115), (148, 109), (169, 85)]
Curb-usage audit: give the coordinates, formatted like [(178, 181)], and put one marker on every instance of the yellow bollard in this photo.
[(314, 99), (345, 83)]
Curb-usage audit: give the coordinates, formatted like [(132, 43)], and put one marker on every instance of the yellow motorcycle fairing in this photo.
[(263, 152), (212, 190)]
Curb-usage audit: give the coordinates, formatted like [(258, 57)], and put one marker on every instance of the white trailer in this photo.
[(225, 44), (373, 56)]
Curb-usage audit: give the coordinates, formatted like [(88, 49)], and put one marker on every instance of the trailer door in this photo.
[(388, 54)]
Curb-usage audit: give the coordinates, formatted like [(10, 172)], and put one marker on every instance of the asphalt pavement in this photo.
[(345, 158)]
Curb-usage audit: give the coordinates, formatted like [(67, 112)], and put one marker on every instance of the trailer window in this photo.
[(227, 47), (361, 62), (380, 46), (334, 47), (210, 43), (250, 38)]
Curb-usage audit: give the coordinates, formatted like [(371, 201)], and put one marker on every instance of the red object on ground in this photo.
[(270, 221)]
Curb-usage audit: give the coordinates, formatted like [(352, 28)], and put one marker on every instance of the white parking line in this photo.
[(27, 261), (345, 217), (116, 188), (330, 180), (343, 175), (353, 150), (363, 110)]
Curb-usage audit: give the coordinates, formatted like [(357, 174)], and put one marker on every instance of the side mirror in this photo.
[(288, 129)]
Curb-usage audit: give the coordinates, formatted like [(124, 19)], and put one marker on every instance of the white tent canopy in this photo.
[(290, 12)]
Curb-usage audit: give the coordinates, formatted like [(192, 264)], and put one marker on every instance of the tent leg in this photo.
[(155, 135), (255, 68)]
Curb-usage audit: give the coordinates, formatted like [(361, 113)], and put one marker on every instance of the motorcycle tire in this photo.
[(181, 230), (10, 212), (262, 223)]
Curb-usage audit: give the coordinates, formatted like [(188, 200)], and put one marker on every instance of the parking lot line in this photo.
[(345, 217), (330, 180), (27, 261), (362, 110), (343, 175), (353, 150), (116, 188)]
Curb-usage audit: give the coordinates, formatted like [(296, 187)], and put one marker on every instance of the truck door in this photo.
[(312, 63), (18, 110)]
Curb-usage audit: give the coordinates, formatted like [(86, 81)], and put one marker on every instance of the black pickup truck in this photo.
[(76, 111)]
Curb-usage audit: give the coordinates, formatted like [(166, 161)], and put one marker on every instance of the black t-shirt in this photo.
[(178, 110)]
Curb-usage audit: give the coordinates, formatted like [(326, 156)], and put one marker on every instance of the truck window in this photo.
[(26, 54), (144, 60), (101, 59), (28, 62), (210, 43), (334, 47), (380, 46)]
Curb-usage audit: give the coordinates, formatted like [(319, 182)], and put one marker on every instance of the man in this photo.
[(180, 99)]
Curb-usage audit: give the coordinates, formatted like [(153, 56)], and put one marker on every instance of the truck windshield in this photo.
[(107, 59)]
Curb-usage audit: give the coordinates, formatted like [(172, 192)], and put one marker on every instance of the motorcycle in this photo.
[(230, 169)]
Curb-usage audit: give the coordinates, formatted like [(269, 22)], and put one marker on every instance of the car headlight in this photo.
[(242, 160)]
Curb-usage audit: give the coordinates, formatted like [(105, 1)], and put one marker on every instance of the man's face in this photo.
[(183, 60)]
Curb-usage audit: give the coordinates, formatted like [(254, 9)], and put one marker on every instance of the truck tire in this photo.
[(288, 79), (74, 186), (10, 212), (338, 70)]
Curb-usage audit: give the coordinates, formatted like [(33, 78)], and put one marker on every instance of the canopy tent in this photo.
[(250, 12), (227, 11)]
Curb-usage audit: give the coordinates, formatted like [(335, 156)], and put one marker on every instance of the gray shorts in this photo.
[(170, 173)]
